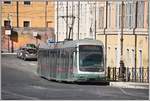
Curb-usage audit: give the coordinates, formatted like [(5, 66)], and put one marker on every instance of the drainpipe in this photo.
[(135, 47), (106, 34)]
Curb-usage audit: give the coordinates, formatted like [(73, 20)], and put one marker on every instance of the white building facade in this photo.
[(85, 19)]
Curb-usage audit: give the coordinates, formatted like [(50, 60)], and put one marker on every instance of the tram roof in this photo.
[(73, 43)]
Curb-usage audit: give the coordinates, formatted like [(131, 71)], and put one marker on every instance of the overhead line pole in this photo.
[(78, 19), (67, 21), (17, 9), (95, 20), (57, 22)]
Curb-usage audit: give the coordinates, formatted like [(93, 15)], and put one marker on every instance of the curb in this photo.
[(130, 85), (9, 53)]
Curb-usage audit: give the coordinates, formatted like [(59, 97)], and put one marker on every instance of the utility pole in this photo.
[(17, 9), (105, 33), (78, 20), (95, 21), (148, 32), (46, 3), (57, 22), (135, 58), (122, 68), (67, 20), (72, 19)]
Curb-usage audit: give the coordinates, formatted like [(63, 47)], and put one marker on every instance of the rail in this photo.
[(140, 74)]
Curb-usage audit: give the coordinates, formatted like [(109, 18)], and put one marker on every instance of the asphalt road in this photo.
[(20, 82)]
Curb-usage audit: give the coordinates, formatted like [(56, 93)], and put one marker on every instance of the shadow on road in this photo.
[(80, 83)]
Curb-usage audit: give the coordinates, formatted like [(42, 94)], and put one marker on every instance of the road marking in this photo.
[(126, 93), (19, 95), (39, 87), (33, 64)]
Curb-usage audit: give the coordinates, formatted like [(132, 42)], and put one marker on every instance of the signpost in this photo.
[(35, 34), (8, 33)]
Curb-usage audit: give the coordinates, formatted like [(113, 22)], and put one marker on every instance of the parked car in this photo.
[(28, 51)]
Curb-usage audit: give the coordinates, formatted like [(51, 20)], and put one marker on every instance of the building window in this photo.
[(7, 2), (27, 2), (6, 23), (26, 24), (101, 18), (140, 14), (118, 15), (129, 8)]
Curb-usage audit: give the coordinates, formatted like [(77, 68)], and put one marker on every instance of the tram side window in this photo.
[(62, 58), (74, 59)]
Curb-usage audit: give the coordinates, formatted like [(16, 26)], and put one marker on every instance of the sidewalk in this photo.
[(135, 85)]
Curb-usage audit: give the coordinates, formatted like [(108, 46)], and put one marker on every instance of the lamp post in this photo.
[(122, 68)]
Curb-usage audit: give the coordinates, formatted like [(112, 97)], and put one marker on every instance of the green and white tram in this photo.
[(74, 61)]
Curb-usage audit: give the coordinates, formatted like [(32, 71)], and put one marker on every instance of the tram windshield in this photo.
[(91, 58)]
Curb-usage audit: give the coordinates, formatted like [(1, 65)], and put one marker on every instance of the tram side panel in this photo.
[(39, 62), (70, 67)]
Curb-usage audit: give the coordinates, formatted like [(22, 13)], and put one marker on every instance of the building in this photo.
[(109, 21), (25, 18)]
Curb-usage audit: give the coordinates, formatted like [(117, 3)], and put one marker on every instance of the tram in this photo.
[(72, 61)]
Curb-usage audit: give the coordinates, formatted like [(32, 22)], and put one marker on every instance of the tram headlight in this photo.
[(101, 69)]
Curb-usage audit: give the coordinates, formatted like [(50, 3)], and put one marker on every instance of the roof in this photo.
[(73, 43)]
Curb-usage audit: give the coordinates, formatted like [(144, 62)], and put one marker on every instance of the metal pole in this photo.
[(95, 22), (57, 22), (8, 43), (46, 3), (67, 21), (17, 13), (72, 19), (122, 68), (78, 19), (106, 34), (148, 35), (122, 25), (12, 44)]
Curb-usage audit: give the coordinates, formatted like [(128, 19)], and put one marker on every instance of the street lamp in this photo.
[(122, 68)]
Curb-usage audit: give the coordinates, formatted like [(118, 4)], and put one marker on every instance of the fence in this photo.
[(130, 74)]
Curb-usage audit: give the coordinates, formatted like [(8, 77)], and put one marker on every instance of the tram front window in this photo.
[(91, 59)]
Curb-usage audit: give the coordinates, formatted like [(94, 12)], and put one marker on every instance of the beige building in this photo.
[(101, 20), (108, 15)]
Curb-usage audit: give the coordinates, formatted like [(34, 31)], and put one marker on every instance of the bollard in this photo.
[(108, 73), (122, 71)]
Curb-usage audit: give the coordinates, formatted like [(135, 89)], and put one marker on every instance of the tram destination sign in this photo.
[(90, 48)]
